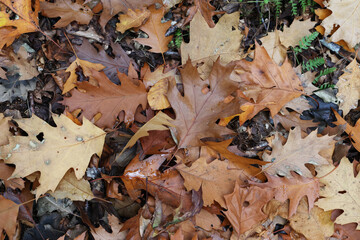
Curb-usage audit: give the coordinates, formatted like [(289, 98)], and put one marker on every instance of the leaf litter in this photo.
[(179, 119)]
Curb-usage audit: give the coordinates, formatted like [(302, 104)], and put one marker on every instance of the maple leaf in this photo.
[(87, 70), (159, 122), (353, 132), (198, 111), (215, 179), (245, 207), (156, 30), (52, 155), (27, 22), (345, 14), (266, 84), (225, 42), (108, 99), (293, 189), (297, 152), (132, 19), (349, 87), (120, 62), (72, 188), (8, 216), (68, 11), (341, 191), (113, 7)]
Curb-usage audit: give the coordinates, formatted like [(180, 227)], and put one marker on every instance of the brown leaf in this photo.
[(215, 179), (206, 10), (266, 84), (156, 142), (113, 7), (292, 119), (5, 173), (156, 30), (346, 231), (100, 233), (245, 206), (132, 19), (8, 216), (197, 111), (293, 189), (120, 62), (353, 132), (4, 129), (68, 11), (108, 99), (296, 153)]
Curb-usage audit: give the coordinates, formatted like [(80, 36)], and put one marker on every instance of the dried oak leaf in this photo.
[(341, 191), (51, 150), (156, 30), (203, 103), (87, 68), (68, 11), (113, 7), (73, 188), (225, 42), (206, 10), (349, 87), (245, 206), (100, 233), (5, 173), (346, 231), (8, 216), (108, 99), (265, 84), (294, 189), (215, 179), (159, 122), (132, 19), (120, 62), (4, 129), (345, 14), (353, 132), (297, 152), (26, 22)]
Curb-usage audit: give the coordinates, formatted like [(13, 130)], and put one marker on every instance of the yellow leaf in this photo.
[(132, 19), (52, 150), (27, 22), (156, 95)]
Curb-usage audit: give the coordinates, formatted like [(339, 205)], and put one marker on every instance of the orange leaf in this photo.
[(353, 132), (8, 216), (132, 19)]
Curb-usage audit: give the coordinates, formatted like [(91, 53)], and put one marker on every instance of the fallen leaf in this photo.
[(4, 129), (73, 188), (345, 13), (156, 30), (100, 233), (292, 119), (8, 216), (52, 155), (18, 64), (347, 231), (215, 179), (206, 10), (297, 152), (245, 205), (294, 189), (157, 95), (151, 78), (132, 19), (208, 221), (225, 43), (120, 62), (161, 121), (113, 7), (274, 48), (340, 191), (5, 173), (353, 132), (349, 87), (108, 99), (13, 88), (10, 29), (266, 84), (197, 111), (87, 70), (68, 11)]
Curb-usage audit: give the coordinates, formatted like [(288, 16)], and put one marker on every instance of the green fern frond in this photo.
[(293, 7), (324, 72), (305, 42), (313, 63), (278, 6), (327, 85)]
